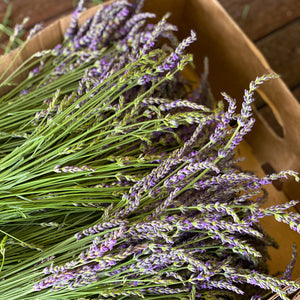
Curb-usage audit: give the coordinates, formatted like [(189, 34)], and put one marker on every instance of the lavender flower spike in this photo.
[(72, 169), (73, 27)]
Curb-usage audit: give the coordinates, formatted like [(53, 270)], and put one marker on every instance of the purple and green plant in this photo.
[(119, 181)]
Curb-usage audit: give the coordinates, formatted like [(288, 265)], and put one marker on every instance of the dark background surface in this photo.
[(274, 26)]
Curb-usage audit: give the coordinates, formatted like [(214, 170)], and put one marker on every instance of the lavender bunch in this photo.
[(193, 235), (118, 183)]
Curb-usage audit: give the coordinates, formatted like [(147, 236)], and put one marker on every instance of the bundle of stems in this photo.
[(117, 182)]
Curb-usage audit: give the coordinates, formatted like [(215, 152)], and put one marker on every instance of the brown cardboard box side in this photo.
[(234, 62)]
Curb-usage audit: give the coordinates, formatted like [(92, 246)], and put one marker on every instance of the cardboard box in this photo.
[(234, 62)]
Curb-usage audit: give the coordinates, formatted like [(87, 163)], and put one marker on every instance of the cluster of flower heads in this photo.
[(116, 36), (189, 226)]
